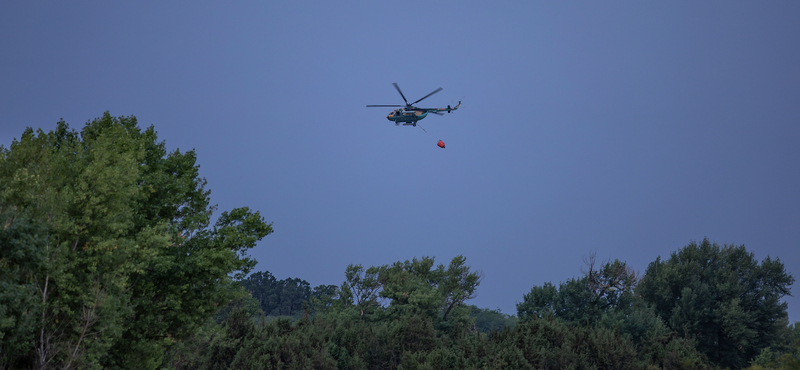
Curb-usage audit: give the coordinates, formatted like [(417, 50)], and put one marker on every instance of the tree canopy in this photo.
[(108, 250), (583, 300), (393, 318), (722, 296), (284, 297), (411, 287)]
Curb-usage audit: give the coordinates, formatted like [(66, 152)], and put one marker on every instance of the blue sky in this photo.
[(625, 128)]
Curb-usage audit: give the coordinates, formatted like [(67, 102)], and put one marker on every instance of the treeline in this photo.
[(290, 297), (610, 318), (108, 259)]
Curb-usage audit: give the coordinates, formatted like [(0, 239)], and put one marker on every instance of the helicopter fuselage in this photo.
[(406, 116)]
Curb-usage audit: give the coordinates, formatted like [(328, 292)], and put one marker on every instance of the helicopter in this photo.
[(409, 114)]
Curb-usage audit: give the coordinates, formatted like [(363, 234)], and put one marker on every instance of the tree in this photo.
[(612, 285), (722, 296), (360, 289), (276, 297), (416, 287), (323, 297), (77, 193), (263, 287), (288, 296), (583, 300), (456, 284), (126, 260)]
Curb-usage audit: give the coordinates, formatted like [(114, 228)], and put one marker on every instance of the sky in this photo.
[(627, 129)]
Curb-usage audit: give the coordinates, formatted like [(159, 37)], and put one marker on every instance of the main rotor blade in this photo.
[(434, 92), (401, 93), (385, 106), (437, 113)]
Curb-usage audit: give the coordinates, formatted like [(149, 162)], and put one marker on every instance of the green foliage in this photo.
[(18, 304), (338, 340), (112, 236), (764, 358), (415, 287), (276, 297), (787, 358), (639, 323), (323, 298), (78, 194), (360, 289), (571, 301), (410, 287), (722, 297), (456, 284), (287, 297), (584, 300), (245, 302), (612, 285), (604, 300), (770, 360), (419, 338), (487, 321), (551, 343)]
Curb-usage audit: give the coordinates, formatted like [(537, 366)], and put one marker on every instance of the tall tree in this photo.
[(410, 287), (78, 193), (456, 284), (126, 260), (722, 296), (583, 300), (360, 289), (416, 287)]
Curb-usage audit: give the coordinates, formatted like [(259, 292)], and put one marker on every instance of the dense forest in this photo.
[(109, 259)]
